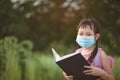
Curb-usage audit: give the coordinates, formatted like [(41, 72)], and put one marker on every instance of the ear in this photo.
[(97, 36)]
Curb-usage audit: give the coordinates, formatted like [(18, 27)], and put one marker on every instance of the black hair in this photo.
[(91, 23), (93, 26)]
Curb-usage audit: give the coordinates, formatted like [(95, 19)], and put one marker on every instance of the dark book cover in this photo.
[(73, 64)]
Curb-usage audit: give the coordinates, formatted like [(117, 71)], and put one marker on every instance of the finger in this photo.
[(89, 67), (64, 73), (87, 71), (69, 77)]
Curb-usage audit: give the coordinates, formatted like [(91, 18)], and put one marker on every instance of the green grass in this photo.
[(42, 67), (117, 68)]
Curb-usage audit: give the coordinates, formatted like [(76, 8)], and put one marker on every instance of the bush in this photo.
[(19, 62), (9, 68)]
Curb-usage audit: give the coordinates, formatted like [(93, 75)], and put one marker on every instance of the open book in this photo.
[(73, 64)]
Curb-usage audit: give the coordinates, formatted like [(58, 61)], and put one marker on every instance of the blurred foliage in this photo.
[(12, 55), (48, 21), (116, 67), (19, 62)]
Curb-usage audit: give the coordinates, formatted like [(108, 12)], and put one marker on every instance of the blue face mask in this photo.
[(85, 41)]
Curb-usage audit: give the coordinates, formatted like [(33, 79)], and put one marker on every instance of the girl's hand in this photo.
[(67, 77), (95, 71)]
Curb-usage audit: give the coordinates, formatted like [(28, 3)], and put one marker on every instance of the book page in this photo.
[(58, 58), (55, 54), (68, 55)]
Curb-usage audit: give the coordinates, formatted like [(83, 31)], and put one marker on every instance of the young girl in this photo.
[(87, 37)]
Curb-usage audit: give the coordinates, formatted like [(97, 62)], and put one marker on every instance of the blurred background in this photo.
[(30, 28)]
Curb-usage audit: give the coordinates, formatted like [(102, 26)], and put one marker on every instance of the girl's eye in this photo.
[(89, 34), (81, 34)]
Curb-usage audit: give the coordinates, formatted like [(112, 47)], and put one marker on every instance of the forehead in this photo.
[(85, 29)]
